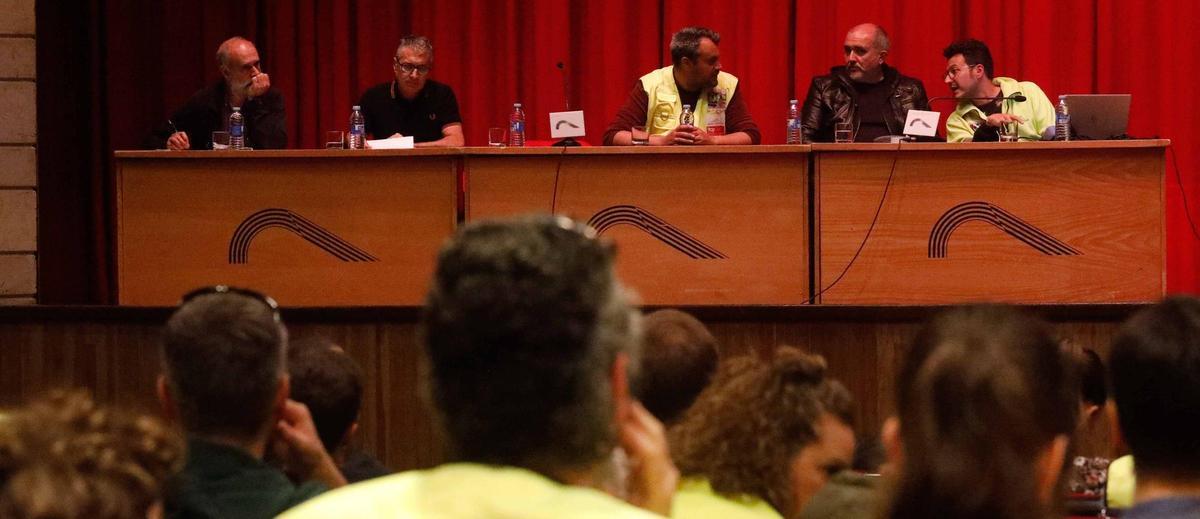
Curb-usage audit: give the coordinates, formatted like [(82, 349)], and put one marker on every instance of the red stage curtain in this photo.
[(145, 59)]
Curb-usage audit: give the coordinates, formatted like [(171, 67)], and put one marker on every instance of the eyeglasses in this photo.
[(409, 68), (226, 289)]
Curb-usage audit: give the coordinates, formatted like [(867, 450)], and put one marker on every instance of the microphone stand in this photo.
[(569, 141)]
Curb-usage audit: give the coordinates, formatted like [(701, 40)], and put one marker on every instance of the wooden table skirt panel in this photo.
[(113, 352), (1024, 223), (310, 228), (726, 227)]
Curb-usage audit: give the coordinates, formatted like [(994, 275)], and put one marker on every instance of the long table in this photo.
[(741, 225)]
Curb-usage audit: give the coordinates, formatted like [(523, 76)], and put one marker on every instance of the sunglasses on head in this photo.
[(226, 289)]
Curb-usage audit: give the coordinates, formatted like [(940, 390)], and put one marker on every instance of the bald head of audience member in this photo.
[(679, 356), (66, 457), (986, 404)]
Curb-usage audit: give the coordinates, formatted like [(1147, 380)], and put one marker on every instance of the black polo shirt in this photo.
[(387, 112)]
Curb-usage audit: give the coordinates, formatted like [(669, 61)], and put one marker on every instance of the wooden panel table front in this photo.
[(309, 227), (711, 226), (1024, 222)]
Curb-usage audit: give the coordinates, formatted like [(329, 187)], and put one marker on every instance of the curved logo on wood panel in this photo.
[(1023, 231), (654, 226), (239, 244)]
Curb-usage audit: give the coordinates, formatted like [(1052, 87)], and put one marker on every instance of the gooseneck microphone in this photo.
[(566, 86), (1015, 97)]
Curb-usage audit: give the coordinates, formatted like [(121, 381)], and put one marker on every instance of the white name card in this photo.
[(566, 124), (921, 122)]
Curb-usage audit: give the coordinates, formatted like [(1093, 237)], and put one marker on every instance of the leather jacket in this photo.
[(833, 98)]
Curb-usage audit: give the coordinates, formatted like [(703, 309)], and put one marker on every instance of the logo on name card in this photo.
[(660, 229), (977, 211), (273, 218), (566, 124)]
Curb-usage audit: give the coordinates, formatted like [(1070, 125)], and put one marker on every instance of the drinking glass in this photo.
[(220, 140), (640, 136), (843, 132), (334, 140), (497, 137)]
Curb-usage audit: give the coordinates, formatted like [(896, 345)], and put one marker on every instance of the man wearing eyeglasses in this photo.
[(865, 92), (244, 85), (412, 104), (986, 102)]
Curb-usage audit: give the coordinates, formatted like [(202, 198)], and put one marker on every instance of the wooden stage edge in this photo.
[(411, 314)]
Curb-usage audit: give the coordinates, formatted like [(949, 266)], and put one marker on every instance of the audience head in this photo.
[(411, 64), (329, 382), (527, 333), (223, 363), (772, 429), (679, 356), (65, 457), (695, 55), (986, 402), (968, 68), (238, 60), (866, 48), (1155, 367)]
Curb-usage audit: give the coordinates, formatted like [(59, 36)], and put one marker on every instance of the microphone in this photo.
[(566, 86), (1015, 97)]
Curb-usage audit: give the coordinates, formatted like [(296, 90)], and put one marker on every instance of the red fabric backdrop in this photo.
[(148, 57)]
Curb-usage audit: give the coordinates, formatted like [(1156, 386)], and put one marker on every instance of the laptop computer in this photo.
[(1098, 116)]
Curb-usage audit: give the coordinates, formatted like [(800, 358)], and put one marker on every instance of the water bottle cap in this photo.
[(794, 101), (237, 108), (687, 107), (516, 105), (356, 107)]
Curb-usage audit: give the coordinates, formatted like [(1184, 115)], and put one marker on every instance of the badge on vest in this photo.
[(664, 113)]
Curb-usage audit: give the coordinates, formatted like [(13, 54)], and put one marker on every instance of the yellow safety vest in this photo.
[(664, 105)]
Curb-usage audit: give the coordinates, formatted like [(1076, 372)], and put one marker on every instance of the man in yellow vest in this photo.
[(695, 79)]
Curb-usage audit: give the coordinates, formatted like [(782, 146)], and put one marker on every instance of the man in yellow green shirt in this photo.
[(988, 104)]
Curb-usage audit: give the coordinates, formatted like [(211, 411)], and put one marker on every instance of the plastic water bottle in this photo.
[(687, 117), (237, 129), (516, 126), (358, 128), (794, 135), (1062, 120)]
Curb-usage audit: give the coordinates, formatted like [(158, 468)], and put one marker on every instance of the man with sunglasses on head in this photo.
[(986, 102), (412, 104), (243, 85), (225, 384), (865, 92)]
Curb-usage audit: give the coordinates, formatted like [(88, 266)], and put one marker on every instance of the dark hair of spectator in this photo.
[(974, 52), (982, 392), (1155, 368), (686, 43), (522, 325), (1093, 380), (66, 457), (329, 382), (679, 356), (223, 358), (750, 422)]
